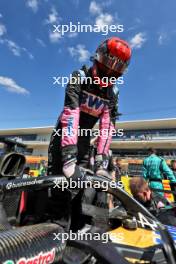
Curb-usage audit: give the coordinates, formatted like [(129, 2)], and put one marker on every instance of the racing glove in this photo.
[(69, 154), (70, 169), (101, 165)]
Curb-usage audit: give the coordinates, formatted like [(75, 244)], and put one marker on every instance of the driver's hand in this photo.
[(160, 205), (69, 168), (101, 165)]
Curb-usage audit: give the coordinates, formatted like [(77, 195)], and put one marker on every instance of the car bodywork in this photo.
[(145, 241)]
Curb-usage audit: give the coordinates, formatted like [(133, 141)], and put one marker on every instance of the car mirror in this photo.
[(12, 165), (130, 223)]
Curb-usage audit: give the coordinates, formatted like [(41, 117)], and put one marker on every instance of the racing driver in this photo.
[(87, 102)]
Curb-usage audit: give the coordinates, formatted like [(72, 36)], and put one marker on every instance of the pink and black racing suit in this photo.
[(85, 104)]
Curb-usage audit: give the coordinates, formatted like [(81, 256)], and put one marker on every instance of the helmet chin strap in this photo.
[(96, 77)]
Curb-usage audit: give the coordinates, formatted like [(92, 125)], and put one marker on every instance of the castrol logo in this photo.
[(41, 258)]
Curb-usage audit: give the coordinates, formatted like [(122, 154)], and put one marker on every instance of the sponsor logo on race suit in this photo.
[(92, 104), (41, 258), (70, 126)]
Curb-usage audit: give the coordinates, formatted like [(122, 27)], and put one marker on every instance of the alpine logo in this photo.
[(41, 258)]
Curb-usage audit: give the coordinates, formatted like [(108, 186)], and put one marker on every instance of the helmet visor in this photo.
[(115, 64)]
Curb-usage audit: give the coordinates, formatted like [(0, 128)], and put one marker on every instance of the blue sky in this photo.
[(31, 54)]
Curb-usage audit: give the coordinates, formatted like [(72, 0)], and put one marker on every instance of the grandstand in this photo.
[(137, 137)]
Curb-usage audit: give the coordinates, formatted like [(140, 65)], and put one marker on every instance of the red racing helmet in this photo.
[(112, 57)]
